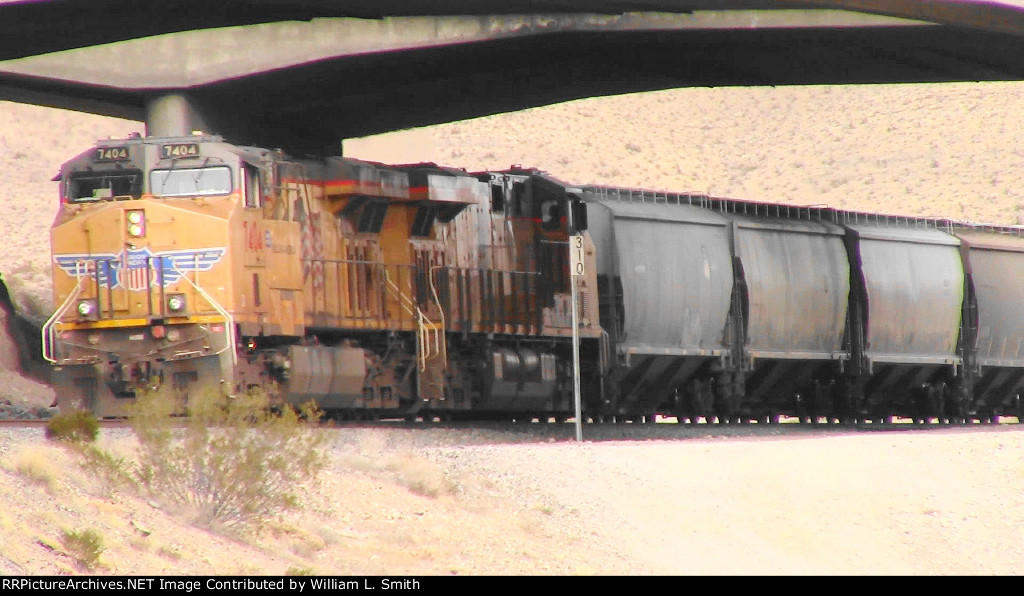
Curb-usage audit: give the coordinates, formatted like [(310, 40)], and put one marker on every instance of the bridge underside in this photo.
[(314, 101)]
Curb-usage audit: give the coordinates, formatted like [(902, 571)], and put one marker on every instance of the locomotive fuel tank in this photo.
[(521, 379)]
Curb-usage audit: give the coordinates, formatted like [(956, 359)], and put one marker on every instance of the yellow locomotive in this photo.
[(189, 262)]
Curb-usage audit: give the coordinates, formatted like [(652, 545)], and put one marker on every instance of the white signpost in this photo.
[(576, 268)]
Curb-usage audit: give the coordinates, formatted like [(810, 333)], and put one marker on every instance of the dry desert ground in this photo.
[(417, 501)]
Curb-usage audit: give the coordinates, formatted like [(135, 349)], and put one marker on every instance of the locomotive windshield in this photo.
[(85, 187), (191, 182)]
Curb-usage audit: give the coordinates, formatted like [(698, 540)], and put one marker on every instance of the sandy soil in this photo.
[(395, 502), (937, 502)]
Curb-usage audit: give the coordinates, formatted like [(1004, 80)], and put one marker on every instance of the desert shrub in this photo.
[(113, 471), (233, 461), (35, 467), (77, 426), (421, 476), (85, 546)]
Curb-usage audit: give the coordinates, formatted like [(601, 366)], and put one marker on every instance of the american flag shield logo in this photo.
[(140, 275)]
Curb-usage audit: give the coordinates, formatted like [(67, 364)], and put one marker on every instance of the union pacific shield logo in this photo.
[(139, 268)]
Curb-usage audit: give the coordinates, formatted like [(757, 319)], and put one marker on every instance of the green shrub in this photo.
[(77, 426), (233, 461), (112, 470), (85, 546)]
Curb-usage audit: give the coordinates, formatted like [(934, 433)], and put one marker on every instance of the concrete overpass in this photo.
[(303, 74)]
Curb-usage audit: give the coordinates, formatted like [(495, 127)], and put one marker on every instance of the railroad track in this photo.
[(663, 429)]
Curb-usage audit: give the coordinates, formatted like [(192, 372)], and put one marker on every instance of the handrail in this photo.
[(441, 346), (422, 322), (229, 327), (48, 336)]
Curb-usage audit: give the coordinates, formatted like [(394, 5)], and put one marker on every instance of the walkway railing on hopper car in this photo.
[(805, 212)]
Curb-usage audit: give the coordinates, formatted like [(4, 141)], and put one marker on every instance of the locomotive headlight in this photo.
[(173, 335), (87, 308), (176, 302), (136, 222)]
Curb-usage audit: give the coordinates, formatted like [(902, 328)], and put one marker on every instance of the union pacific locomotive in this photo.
[(187, 263)]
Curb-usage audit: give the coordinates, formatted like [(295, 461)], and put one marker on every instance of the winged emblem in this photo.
[(139, 268)]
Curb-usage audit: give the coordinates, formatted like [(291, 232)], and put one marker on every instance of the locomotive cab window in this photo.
[(86, 187), (190, 182), (520, 204), (552, 215), (497, 197)]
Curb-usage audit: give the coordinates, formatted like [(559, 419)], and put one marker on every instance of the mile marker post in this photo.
[(576, 268)]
